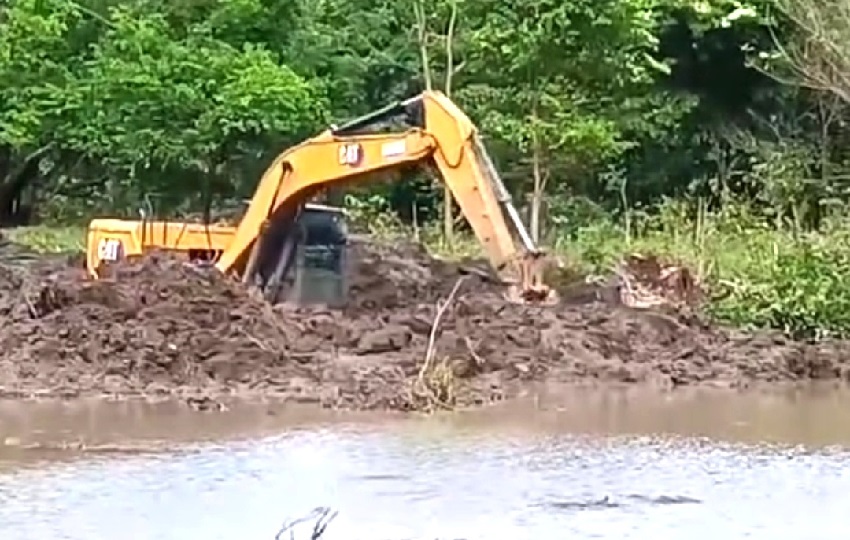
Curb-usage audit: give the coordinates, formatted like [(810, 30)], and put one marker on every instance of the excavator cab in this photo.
[(318, 273)]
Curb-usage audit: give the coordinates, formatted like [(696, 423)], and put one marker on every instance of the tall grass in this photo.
[(759, 275), (49, 239)]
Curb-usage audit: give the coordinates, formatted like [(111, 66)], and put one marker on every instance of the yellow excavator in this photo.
[(260, 250)]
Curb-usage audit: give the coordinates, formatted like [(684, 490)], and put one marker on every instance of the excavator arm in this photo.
[(261, 248)]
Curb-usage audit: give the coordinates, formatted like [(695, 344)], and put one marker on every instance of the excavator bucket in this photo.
[(532, 267), (529, 287)]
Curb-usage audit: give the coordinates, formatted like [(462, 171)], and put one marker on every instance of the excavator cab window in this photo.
[(320, 266)]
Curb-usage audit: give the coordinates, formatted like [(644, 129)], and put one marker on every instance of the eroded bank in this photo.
[(161, 328)]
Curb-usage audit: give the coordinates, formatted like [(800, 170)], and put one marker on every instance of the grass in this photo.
[(765, 276), (47, 239), (761, 276)]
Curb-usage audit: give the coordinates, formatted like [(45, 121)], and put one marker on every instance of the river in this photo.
[(577, 464)]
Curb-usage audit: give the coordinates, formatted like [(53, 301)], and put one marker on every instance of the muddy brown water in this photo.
[(559, 464)]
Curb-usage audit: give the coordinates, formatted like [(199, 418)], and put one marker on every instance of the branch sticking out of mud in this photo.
[(435, 379), (275, 346), (322, 516)]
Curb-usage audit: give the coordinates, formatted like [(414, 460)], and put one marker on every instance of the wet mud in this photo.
[(163, 328)]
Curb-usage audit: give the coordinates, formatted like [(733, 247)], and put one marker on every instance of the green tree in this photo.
[(554, 82), (153, 111), (35, 46)]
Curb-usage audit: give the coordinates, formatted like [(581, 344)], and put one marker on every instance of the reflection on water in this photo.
[(533, 475)]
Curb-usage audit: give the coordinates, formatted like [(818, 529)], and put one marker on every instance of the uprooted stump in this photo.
[(649, 281), (161, 327)]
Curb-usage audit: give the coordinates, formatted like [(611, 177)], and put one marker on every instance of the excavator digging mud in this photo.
[(280, 221), (166, 329)]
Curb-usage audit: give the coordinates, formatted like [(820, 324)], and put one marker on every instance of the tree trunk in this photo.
[(539, 180), (448, 200), (422, 42), (13, 183)]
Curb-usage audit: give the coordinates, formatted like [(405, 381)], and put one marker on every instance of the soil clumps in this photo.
[(162, 327)]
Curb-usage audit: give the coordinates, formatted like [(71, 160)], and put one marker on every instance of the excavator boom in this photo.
[(260, 249)]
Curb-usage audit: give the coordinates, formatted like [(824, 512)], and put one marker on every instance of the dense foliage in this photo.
[(606, 117)]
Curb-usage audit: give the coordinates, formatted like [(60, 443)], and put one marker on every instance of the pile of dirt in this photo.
[(161, 327)]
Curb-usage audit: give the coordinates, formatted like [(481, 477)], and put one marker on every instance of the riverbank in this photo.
[(160, 328)]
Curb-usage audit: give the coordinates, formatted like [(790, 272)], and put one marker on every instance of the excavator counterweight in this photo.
[(262, 247)]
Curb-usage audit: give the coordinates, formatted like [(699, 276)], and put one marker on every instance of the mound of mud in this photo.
[(161, 327)]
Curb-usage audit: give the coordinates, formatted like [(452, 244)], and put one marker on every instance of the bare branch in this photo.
[(422, 40), (322, 516), (450, 38), (434, 379), (435, 328), (818, 55)]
